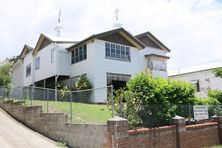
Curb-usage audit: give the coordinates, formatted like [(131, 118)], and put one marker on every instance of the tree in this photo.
[(218, 72), (5, 68)]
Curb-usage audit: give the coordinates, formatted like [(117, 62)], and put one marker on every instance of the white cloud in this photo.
[(186, 27)]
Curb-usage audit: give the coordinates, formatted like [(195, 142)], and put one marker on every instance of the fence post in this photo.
[(47, 103), (70, 97), (117, 132), (217, 118), (180, 127), (112, 100), (18, 93), (32, 95)]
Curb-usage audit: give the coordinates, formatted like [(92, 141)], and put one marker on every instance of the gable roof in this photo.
[(153, 41), (50, 39), (134, 41), (26, 49)]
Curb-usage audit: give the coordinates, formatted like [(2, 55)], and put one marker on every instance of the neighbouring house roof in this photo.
[(46, 39), (193, 69), (156, 55), (149, 39), (120, 31), (26, 49)]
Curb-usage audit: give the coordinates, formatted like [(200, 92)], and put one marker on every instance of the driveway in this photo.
[(15, 135)]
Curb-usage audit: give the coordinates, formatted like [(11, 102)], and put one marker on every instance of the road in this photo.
[(15, 135)]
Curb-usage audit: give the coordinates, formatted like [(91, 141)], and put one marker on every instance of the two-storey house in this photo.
[(108, 58)]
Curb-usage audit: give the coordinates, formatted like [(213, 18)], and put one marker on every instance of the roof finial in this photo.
[(58, 26), (117, 24), (59, 16), (116, 14)]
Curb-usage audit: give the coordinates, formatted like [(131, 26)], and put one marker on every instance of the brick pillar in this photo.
[(117, 129), (218, 119), (180, 127)]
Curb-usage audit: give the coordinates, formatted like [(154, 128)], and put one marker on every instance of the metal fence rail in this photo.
[(79, 105), (82, 106)]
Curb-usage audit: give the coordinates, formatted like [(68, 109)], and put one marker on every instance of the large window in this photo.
[(117, 52), (37, 63), (78, 54), (28, 70), (156, 65)]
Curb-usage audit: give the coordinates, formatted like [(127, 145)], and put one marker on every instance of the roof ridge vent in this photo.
[(117, 24), (58, 25)]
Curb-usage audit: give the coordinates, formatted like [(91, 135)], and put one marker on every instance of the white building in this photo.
[(201, 76), (108, 58)]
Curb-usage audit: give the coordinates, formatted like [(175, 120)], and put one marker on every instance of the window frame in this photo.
[(37, 63), (28, 70), (79, 54), (115, 51)]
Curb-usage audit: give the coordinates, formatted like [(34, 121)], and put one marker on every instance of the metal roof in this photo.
[(208, 66)]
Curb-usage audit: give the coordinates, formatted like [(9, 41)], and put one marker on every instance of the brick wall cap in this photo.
[(178, 117), (203, 125), (117, 118)]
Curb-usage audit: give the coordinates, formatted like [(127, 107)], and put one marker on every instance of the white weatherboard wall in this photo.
[(103, 65), (28, 60), (18, 75), (158, 73), (85, 67), (144, 60), (47, 68), (206, 78)]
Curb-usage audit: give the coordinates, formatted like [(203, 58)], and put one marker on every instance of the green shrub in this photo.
[(82, 83), (154, 101), (217, 94), (214, 106)]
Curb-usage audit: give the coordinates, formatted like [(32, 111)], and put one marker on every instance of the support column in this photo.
[(44, 89), (56, 93), (180, 127), (117, 129)]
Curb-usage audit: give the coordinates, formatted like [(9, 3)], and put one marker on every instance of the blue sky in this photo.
[(191, 29)]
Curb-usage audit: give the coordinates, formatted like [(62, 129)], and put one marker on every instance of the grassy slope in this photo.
[(82, 113)]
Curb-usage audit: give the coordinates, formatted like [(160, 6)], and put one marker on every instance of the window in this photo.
[(112, 50), (107, 50), (52, 55), (78, 54), (28, 70), (196, 84), (117, 52), (156, 65), (37, 63)]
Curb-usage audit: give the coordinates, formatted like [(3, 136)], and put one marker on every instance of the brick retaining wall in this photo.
[(55, 126), (116, 133)]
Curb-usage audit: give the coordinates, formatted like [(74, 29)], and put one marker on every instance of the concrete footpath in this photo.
[(15, 135)]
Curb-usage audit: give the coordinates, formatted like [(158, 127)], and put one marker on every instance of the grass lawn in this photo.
[(81, 113)]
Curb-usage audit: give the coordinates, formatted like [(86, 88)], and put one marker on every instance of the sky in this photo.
[(190, 28)]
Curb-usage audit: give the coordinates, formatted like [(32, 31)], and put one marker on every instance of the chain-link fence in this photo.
[(81, 106), (97, 105), (156, 115)]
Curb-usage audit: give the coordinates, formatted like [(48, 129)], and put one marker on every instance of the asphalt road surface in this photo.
[(15, 135)]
